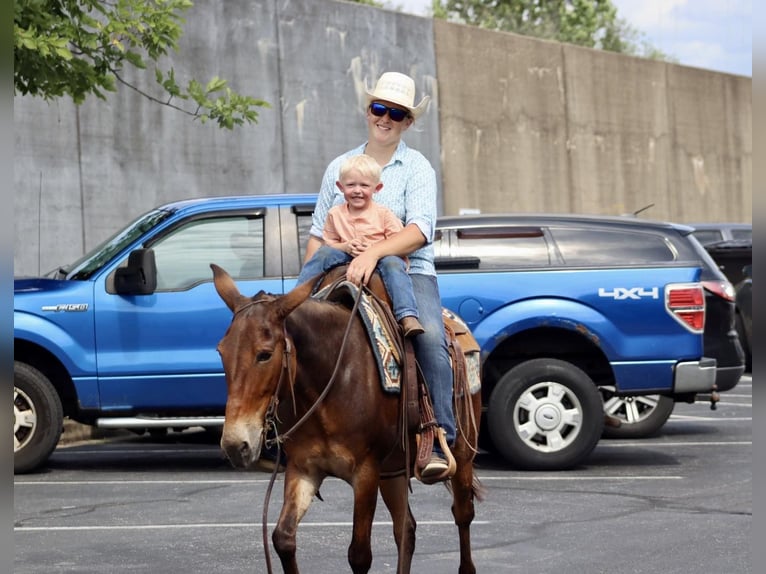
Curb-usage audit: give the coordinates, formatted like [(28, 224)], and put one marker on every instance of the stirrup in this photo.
[(449, 472)]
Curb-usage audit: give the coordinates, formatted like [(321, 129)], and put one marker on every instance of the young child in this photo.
[(361, 221)]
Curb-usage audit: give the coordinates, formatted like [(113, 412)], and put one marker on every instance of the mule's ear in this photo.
[(226, 288), (298, 295)]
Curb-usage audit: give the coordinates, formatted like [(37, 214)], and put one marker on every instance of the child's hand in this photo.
[(356, 247)]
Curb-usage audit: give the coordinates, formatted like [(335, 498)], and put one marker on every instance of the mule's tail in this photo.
[(478, 491)]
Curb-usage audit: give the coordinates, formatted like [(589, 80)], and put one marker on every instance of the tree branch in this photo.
[(152, 98)]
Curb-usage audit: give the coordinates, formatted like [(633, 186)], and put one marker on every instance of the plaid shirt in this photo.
[(409, 190)]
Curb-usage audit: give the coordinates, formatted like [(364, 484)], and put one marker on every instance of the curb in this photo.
[(75, 432)]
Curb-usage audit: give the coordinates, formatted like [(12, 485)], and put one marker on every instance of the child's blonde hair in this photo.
[(366, 165)]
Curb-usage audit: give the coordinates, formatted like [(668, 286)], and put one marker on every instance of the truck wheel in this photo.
[(641, 416), (545, 414), (38, 418)]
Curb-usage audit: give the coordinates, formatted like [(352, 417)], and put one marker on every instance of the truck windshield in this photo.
[(92, 261)]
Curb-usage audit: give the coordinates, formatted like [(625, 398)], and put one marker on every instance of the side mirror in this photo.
[(140, 275), (747, 270)]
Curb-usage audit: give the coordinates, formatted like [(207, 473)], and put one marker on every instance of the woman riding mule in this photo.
[(410, 191), (287, 363)]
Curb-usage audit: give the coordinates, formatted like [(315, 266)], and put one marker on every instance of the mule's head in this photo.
[(254, 360)]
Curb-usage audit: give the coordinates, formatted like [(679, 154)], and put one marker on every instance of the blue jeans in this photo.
[(431, 351), (392, 269)]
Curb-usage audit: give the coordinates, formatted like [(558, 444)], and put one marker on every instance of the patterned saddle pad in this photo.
[(382, 340)]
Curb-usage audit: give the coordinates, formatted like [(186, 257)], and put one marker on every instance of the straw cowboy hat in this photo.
[(398, 89)]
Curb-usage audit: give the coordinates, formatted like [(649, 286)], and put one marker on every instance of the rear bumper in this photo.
[(728, 377), (695, 376)]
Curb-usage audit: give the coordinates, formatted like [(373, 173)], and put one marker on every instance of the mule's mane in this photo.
[(313, 313)]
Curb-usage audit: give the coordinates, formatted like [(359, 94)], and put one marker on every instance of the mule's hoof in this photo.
[(612, 421), (437, 470)]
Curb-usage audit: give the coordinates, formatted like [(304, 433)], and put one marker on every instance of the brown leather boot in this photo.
[(435, 471), (411, 326)]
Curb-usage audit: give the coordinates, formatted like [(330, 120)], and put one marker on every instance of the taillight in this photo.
[(723, 289), (686, 303)]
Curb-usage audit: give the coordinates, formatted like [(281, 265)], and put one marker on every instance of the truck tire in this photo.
[(545, 414), (38, 418), (640, 416)]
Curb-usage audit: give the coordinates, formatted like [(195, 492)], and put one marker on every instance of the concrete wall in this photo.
[(515, 124), (554, 127)]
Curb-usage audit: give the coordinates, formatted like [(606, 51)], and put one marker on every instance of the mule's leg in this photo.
[(299, 492), (395, 493), (463, 511), (463, 506), (365, 485)]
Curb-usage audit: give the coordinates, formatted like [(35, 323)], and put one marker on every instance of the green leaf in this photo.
[(135, 59), (64, 53), (215, 85)]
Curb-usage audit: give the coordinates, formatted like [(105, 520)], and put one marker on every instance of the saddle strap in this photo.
[(462, 391), (411, 410), (459, 368)]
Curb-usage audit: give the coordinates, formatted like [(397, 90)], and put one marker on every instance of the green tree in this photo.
[(375, 3), (81, 47), (624, 38), (590, 23)]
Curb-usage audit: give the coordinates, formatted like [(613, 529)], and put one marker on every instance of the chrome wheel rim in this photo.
[(24, 419), (548, 417)]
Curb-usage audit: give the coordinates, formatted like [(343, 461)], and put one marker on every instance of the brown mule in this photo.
[(279, 354)]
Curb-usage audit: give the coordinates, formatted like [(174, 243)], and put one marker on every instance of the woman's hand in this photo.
[(362, 267)]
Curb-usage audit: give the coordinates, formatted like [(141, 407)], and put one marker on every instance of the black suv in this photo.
[(731, 247), (708, 233), (744, 319), (721, 340)]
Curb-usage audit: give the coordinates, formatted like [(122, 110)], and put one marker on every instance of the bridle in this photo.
[(271, 419)]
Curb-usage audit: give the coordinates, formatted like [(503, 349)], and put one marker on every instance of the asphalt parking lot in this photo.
[(680, 502)]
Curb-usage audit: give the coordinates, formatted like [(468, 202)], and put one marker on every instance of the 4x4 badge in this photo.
[(619, 293)]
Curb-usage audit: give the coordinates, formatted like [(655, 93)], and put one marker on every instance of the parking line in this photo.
[(688, 418), (129, 451), (129, 482), (264, 481), (610, 444), (212, 525), (573, 477)]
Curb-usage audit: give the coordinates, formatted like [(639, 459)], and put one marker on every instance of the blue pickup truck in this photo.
[(565, 309)]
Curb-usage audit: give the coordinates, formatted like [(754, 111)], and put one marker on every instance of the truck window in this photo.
[(184, 256), (708, 235), (503, 247), (606, 247), (742, 234), (303, 215)]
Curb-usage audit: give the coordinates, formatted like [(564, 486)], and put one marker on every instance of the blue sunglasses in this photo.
[(395, 114)]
